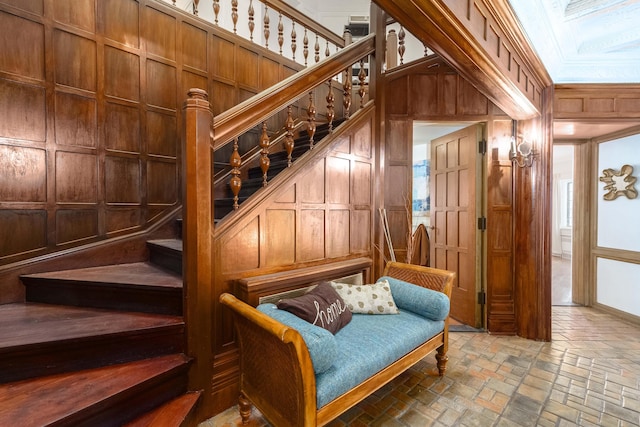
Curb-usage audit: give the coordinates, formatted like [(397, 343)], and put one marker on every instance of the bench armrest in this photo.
[(273, 357)]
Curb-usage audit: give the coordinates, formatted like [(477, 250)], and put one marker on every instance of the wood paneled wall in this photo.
[(596, 101), (483, 41), (90, 99), (447, 97), (319, 211)]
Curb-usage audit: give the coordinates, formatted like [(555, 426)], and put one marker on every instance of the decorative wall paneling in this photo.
[(89, 140), (596, 101), (445, 96), (532, 230), (500, 310), (484, 42)]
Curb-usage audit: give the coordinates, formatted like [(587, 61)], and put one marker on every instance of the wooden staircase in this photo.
[(100, 346), (278, 162), (104, 346)]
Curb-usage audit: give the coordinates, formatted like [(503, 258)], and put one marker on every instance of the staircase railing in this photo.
[(271, 23), (229, 125)]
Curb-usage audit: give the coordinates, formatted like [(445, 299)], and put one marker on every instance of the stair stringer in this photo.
[(319, 210)]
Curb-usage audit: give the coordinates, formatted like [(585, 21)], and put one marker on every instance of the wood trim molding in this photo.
[(596, 101), (490, 60)]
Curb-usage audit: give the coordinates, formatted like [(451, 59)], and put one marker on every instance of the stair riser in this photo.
[(104, 295), (166, 258), (131, 403), (85, 353)]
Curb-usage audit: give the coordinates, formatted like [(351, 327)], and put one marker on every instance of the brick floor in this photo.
[(588, 375)]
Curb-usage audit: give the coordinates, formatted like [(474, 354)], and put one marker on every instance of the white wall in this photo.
[(562, 172), (619, 219), (618, 285), (618, 227)]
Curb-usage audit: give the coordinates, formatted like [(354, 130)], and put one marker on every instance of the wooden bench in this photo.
[(276, 372)]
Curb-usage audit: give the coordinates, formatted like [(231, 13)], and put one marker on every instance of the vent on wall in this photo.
[(357, 30)]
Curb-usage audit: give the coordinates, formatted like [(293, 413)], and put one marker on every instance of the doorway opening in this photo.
[(562, 226)]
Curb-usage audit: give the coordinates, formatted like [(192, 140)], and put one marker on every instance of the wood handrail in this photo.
[(297, 16), (237, 120)]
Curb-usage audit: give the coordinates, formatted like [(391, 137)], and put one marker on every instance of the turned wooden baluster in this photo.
[(235, 182), (362, 76), (216, 10), (294, 46), (311, 127), (305, 47), (280, 33), (252, 24), (401, 47), (346, 99), (234, 14), (288, 139), (326, 50), (264, 154), (267, 32), (330, 106), (316, 48), (174, 2), (195, 7)]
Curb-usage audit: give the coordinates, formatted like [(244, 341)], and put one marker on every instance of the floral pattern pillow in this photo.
[(367, 299)]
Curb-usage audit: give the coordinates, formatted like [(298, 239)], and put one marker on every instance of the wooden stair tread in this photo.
[(22, 325), (72, 398), (175, 244), (171, 414), (134, 274)]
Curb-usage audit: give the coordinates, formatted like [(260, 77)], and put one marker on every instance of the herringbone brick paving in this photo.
[(588, 375)]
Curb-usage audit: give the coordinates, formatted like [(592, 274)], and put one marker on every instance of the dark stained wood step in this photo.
[(166, 253), (128, 287), (106, 396), (175, 413), (41, 339)]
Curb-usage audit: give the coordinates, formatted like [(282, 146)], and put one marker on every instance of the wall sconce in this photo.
[(520, 154)]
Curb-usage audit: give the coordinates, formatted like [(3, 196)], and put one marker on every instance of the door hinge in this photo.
[(482, 146), (482, 223), (482, 297)]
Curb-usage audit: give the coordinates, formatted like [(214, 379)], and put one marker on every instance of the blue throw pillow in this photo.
[(428, 303), (322, 345)]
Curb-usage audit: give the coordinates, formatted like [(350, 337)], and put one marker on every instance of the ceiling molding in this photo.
[(584, 41)]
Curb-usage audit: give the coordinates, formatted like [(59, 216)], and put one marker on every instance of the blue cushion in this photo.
[(431, 304), (321, 343), (367, 345)]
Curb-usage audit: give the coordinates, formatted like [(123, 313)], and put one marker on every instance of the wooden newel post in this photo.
[(197, 235)]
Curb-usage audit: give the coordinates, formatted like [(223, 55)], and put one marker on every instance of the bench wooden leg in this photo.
[(244, 407), (442, 358)]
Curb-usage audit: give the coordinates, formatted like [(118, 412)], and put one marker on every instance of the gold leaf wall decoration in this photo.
[(619, 183)]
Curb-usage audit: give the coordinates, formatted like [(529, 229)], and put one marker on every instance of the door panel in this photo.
[(456, 205)]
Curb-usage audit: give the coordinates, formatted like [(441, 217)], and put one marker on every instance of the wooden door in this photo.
[(456, 205)]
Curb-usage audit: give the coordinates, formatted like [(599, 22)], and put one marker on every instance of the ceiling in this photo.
[(584, 41)]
